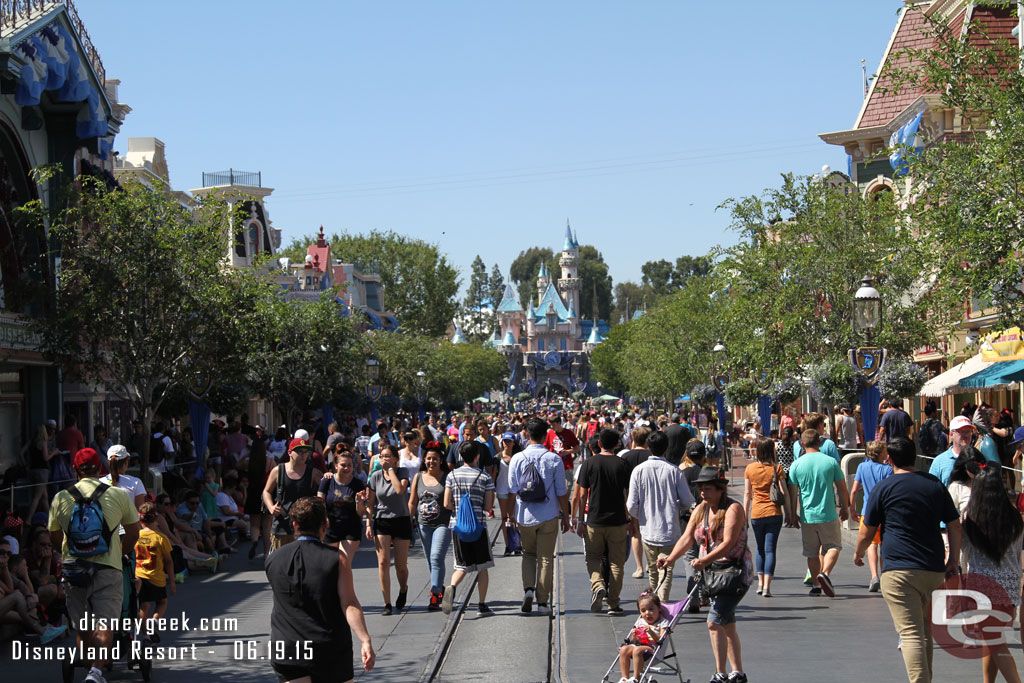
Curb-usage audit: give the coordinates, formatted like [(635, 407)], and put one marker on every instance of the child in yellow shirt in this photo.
[(154, 568)]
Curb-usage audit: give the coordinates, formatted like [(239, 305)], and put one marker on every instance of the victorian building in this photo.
[(58, 107)]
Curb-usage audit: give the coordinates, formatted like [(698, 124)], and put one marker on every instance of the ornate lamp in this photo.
[(867, 319)]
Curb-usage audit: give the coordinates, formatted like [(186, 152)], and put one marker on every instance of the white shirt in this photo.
[(224, 500), (133, 485), (412, 465)]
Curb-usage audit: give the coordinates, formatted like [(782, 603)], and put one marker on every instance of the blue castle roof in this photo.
[(550, 302), (509, 301)]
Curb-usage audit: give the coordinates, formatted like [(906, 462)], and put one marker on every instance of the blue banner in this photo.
[(720, 405), (764, 411), (869, 400)]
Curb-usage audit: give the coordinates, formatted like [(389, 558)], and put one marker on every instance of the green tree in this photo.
[(790, 282), (496, 286), (629, 298), (477, 308), (657, 276), (420, 285), (524, 271), (690, 266), (593, 272), (301, 353), (144, 305)]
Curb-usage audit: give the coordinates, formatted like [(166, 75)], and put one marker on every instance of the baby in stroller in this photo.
[(644, 638)]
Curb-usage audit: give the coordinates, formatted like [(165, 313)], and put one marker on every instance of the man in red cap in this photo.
[(288, 482), (92, 561)]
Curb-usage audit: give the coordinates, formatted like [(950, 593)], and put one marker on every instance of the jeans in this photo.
[(435, 548), (766, 531)]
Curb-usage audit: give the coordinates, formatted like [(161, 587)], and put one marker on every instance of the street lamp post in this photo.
[(720, 380), (511, 397), (373, 387), (868, 360), (421, 393)]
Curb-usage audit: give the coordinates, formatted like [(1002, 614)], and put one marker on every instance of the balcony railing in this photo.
[(232, 177), (13, 12)]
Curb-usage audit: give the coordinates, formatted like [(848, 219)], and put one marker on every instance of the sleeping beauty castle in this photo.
[(547, 343)]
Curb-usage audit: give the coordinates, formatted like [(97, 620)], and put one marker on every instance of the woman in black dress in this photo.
[(258, 466)]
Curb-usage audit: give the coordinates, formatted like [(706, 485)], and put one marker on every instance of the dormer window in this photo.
[(551, 321)]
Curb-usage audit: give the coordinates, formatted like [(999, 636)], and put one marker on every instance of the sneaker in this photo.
[(597, 599), (508, 551), (767, 593), (252, 551), (638, 574), (542, 608), (94, 676), (719, 678), (387, 611), (446, 601), (181, 576), (400, 602), (760, 590), (808, 579), (826, 585), (527, 601), (52, 633), (875, 586), (435, 602), (616, 611), (815, 591), (483, 610), (737, 677)]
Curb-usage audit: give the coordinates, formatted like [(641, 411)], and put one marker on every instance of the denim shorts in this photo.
[(723, 609)]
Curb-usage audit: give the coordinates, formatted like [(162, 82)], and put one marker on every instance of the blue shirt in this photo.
[(868, 474), (942, 466), (827, 446), (552, 472)]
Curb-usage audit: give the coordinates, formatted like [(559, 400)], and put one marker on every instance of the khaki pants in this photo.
[(652, 553), (614, 539), (280, 541), (908, 593), (539, 549)]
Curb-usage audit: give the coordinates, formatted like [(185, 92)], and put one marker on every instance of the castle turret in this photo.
[(543, 280), (569, 283)]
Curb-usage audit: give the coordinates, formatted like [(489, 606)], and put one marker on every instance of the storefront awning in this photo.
[(996, 376), (949, 381)]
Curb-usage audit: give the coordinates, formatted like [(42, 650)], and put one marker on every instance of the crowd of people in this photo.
[(632, 485)]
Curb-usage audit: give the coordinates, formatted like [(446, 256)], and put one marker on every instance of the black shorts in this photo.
[(344, 530), (150, 593), (331, 662), (395, 527)]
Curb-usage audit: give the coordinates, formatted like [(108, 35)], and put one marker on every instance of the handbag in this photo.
[(774, 493), (722, 577)]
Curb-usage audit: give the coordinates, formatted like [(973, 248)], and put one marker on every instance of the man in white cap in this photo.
[(961, 434)]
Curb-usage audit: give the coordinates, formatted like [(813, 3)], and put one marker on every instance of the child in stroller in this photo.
[(644, 638)]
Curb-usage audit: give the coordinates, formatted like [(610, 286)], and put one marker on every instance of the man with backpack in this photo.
[(537, 477), (84, 521), (469, 491), (932, 437)]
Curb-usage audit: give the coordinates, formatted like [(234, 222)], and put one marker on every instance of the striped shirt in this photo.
[(472, 481)]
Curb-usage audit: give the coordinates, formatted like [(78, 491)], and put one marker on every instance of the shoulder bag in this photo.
[(774, 493), (722, 577)]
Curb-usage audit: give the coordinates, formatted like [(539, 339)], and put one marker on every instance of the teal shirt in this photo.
[(827, 446), (816, 474)]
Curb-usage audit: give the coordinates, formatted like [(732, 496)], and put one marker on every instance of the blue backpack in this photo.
[(88, 534), (467, 527), (531, 485)]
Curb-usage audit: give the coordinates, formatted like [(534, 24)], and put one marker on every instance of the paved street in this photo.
[(790, 637)]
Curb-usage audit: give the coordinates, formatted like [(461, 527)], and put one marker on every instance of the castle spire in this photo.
[(570, 243)]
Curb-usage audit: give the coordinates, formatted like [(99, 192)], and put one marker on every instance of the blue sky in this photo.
[(482, 126)]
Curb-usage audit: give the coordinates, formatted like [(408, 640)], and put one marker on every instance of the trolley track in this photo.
[(435, 671)]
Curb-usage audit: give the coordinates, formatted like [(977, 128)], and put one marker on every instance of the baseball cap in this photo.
[(510, 436), (301, 434), (51, 422), (960, 422), (86, 458), (297, 443), (118, 452), (1018, 436)]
